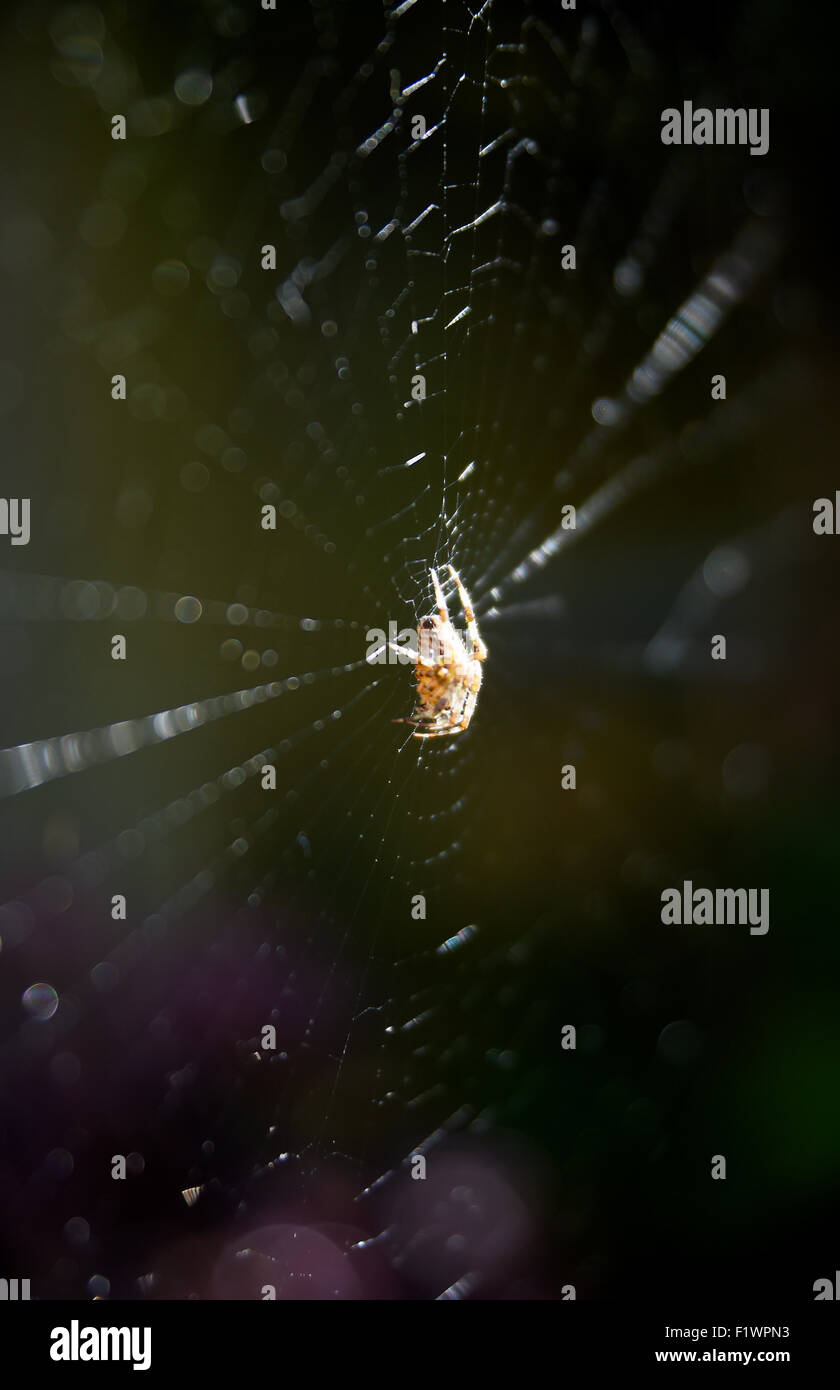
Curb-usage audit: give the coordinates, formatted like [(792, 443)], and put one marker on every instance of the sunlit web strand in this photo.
[(29, 765)]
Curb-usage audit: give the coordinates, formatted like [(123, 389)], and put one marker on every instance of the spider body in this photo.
[(447, 669)]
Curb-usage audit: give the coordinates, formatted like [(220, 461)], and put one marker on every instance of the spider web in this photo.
[(435, 251)]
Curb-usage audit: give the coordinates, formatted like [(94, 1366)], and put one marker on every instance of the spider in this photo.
[(448, 674)]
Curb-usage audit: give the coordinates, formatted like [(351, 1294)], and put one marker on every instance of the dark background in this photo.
[(548, 1167)]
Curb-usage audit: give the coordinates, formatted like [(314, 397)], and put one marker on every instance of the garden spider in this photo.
[(448, 674)]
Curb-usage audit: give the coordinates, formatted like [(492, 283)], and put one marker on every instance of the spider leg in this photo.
[(413, 656), (439, 733), (441, 601), (418, 726), (401, 651), (479, 649), (416, 658), (467, 709), (418, 718)]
